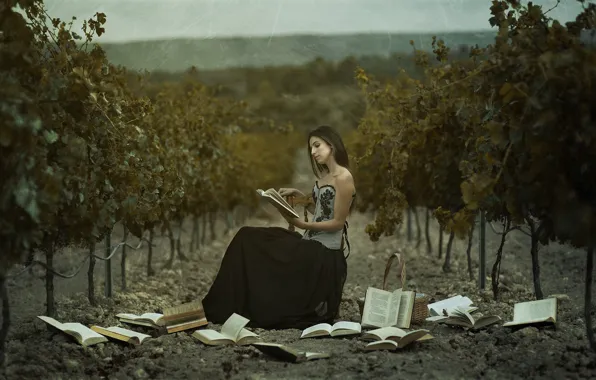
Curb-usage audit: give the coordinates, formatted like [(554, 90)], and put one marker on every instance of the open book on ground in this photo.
[(461, 317), (278, 202), (540, 312), (441, 309), (338, 329), (288, 354), (391, 338), (83, 334), (384, 309), (121, 334), (232, 332), (154, 320), (183, 317)]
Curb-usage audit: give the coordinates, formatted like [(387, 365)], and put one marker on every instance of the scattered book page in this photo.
[(461, 317), (233, 325), (289, 354), (212, 337), (183, 317), (154, 320), (443, 307), (186, 325), (187, 311), (405, 309), (534, 313), (122, 334), (341, 328), (232, 332), (380, 307), (392, 338), (82, 334), (383, 308)]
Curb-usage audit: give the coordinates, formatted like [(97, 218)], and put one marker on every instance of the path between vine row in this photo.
[(494, 353)]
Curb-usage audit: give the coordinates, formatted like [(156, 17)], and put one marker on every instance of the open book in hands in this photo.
[(278, 202), (232, 332), (392, 338), (83, 334), (338, 329)]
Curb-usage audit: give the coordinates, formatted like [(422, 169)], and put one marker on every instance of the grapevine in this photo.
[(508, 131), (86, 145)]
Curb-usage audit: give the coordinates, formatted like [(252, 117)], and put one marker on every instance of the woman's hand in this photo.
[(288, 191)]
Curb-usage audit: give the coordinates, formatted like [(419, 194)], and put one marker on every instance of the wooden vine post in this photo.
[(108, 266), (90, 274), (123, 260), (482, 252)]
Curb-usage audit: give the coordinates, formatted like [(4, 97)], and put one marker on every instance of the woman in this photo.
[(279, 279)]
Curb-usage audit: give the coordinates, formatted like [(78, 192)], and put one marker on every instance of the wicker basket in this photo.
[(420, 312)]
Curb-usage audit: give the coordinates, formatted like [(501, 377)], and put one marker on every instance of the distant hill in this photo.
[(220, 53)]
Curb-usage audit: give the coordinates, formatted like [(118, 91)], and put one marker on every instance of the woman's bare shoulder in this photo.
[(344, 175), (344, 178)]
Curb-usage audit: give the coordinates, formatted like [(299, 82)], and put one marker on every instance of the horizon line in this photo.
[(285, 35)]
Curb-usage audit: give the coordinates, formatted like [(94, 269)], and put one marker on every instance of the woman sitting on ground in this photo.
[(278, 278)]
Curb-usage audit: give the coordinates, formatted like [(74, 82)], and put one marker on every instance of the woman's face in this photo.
[(319, 150)]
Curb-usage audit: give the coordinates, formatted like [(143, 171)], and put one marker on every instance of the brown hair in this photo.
[(338, 150)]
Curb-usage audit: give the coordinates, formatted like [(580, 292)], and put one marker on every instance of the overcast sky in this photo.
[(154, 19)]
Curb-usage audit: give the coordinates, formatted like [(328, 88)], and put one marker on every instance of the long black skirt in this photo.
[(276, 279)]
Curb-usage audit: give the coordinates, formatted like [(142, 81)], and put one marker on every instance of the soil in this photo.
[(34, 352)]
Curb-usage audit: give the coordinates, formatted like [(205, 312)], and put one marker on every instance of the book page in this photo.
[(315, 355), (461, 314), (232, 327), (278, 350), (246, 336), (128, 333), (51, 321), (194, 307), (275, 195), (378, 306), (449, 304), (535, 310), (384, 333), (486, 321), (283, 209), (395, 307), (413, 336), (319, 329), (347, 325), (83, 331), (211, 337), (381, 345), (278, 202), (153, 317), (406, 306)]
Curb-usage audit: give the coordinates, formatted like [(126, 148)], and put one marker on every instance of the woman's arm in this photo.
[(311, 207)]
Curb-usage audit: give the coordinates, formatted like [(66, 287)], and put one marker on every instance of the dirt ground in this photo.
[(493, 353)]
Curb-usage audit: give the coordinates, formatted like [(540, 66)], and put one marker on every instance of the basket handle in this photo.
[(401, 265)]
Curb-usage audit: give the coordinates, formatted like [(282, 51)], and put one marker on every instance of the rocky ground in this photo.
[(492, 353)]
